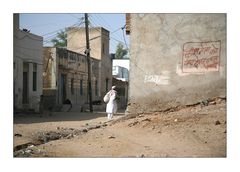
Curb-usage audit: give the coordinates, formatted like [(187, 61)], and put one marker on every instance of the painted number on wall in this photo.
[(162, 79), (201, 56)]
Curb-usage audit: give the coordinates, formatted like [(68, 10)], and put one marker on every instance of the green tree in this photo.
[(61, 39), (120, 51)]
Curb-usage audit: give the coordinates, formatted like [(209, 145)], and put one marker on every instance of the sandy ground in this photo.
[(196, 131)]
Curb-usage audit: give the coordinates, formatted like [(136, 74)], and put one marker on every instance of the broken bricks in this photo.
[(217, 122), (18, 135), (111, 137), (133, 123)]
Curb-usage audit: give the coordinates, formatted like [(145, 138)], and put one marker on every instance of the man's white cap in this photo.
[(113, 87)]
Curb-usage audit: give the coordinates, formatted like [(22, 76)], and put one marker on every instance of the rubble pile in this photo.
[(30, 149)]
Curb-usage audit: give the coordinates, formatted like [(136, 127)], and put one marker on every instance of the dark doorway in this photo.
[(25, 88), (106, 84), (63, 87)]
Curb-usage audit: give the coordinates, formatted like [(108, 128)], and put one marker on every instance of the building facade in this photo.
[(120, 73), (176, 59), (27, 81), (99, 45), (65, 76), (120, 69)]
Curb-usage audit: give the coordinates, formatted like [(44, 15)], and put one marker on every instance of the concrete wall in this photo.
[(176, 59), (76, 41), (99, 45), (28, 49)]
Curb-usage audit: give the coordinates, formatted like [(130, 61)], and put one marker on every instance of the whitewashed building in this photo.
[(28, 61), (120, 69)]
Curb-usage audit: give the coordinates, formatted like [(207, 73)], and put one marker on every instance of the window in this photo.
[(81, 87), (72, 82), (25, 90), (34, 77)]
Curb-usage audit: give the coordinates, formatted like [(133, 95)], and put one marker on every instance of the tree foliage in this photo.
[(61, 39), (120, 51)]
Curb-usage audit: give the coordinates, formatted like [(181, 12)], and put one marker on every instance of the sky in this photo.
[(48, 24)]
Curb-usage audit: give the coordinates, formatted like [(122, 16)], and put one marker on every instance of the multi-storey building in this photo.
[(65, 76), (99, 49)]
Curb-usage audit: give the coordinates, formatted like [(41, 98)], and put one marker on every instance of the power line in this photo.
[(49, 39), (93, 21), (75, 16), (114, 38), (110, 26), (79, 48), (100, 18), (111, 32), (116, 30), (124, 36), (111, 37), (77, 24), (104, 21), (111, 42), (101, 24), (82, 22), (117, 40), (60, 29), (40, 25)]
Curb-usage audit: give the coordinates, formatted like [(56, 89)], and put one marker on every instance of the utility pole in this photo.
[(89, 63)]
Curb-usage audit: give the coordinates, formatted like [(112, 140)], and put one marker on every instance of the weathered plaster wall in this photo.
[(60, 61), (176, 59), (28, 49), (99, 45)]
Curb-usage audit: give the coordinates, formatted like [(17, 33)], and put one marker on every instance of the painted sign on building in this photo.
[(199, 57)]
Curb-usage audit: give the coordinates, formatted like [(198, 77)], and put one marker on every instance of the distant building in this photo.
[(27, 56), (176, 60), (121, 69), (65, 76), (122, 92), (120, 73), (99, 45)]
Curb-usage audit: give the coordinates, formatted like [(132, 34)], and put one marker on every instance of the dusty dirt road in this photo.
[(195, 131)]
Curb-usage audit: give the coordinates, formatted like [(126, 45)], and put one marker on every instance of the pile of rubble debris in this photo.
[(30, 149)]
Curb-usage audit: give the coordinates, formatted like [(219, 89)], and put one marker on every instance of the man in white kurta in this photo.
[(112, 103)]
